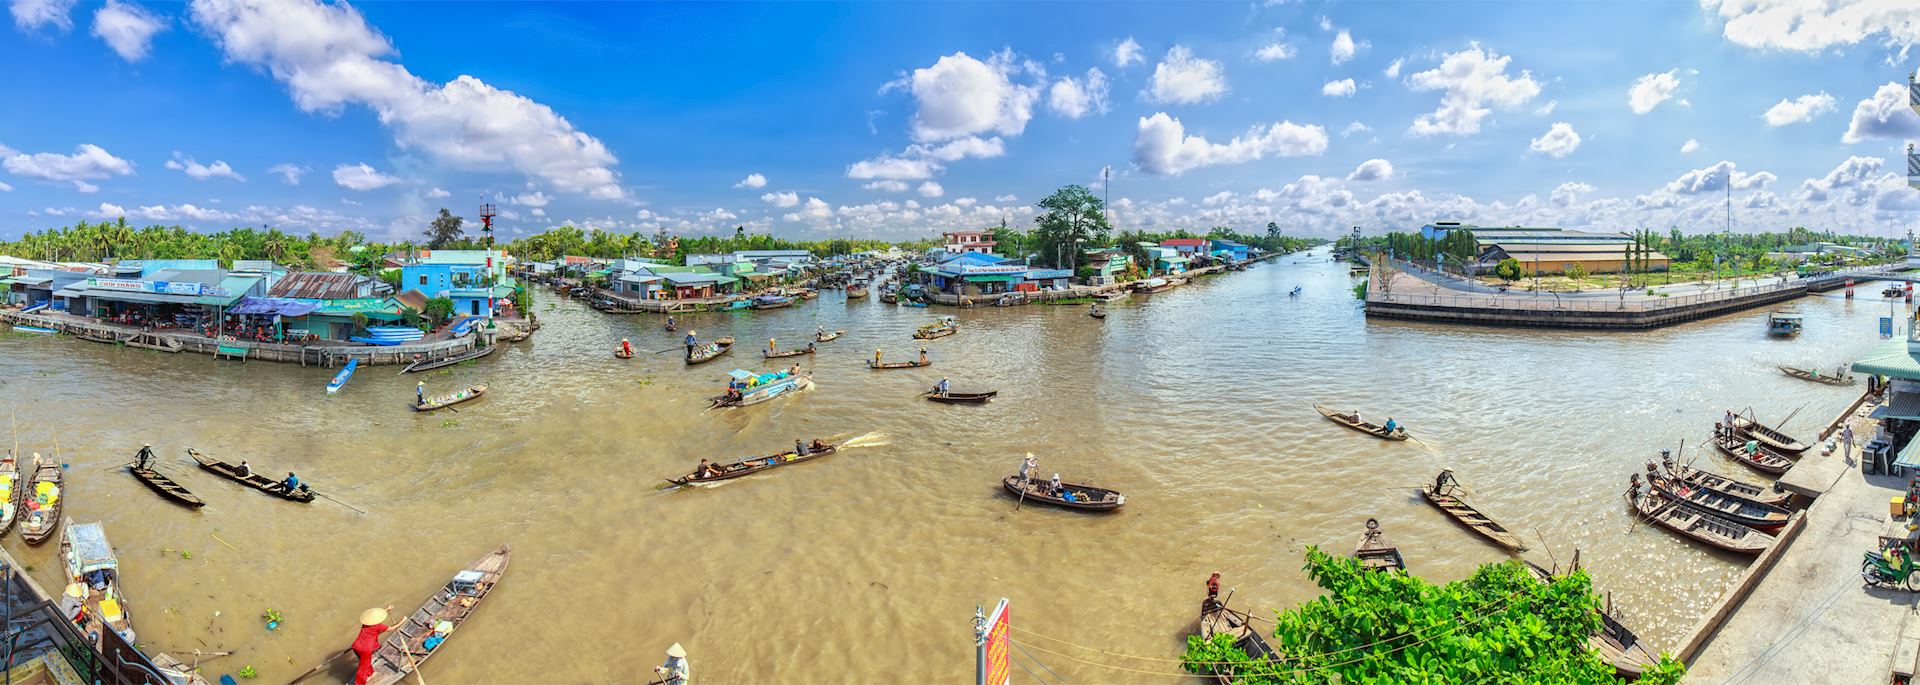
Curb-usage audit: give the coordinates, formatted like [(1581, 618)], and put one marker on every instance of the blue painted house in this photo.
[(1235, 251), (473, 279)]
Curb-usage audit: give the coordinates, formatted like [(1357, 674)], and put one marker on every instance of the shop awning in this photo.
[(272, 306), (1890, 359), (1909, 456), (129, 296), (994, 278)]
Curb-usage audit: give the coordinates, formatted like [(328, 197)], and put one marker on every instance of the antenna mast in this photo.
[(487, 212)]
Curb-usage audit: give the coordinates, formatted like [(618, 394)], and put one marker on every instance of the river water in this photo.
[(866, 566)]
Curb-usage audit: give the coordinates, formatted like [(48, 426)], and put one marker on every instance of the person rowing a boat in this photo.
[(876, 356), (670, 325), (1054, 487), (1213, 593), (923, 357), (770, 346), (626, 347), (799, 447), (1027, 468), (675, 671), (373, 622), (1391, 426), (692, 339), (940, 388), (1443, 482), (706, 469), (144, 459), (420, 394), (292, 483)]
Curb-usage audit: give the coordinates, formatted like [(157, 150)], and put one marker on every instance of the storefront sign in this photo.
[(158, 287), (971, 270), (118, 284), (361, 304)]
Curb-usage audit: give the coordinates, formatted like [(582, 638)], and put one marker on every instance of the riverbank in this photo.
[(318, 353)]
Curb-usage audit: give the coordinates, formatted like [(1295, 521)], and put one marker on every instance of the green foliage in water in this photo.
[(1360, 290), (248, 672), (1498, 626), (450, 423)]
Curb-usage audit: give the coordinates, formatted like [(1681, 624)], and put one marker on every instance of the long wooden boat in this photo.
[(424, 365), (41, 505), (1217, 619), (758, 393), (871, 364), (1769, 436), (89, 561), (166, 487), (1085, 497), (250, 479), (340, 379), (963, 397), (402, 650), (445, 401), (753, 465), (799, 352), (1353, 421), (1766, 461), (12, 492), (855, 292), (1615, 644), (1733, 509), (1816, 376), (1460, 510), (1702, 527), (931, 332), (1731, 487), (719, 346), (1376, 551), (89, 337), (824, 336)]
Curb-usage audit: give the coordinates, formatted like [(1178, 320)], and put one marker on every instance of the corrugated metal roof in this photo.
[(1890, 359), (317, 286)]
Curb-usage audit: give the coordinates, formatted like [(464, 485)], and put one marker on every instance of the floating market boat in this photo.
[(749, 388), (470, 355), (1376, 552), (1816, 376), (753, 465), (445, 401), (1454, 505), (91, 565), (1700, 526), (41, 507), (1765, 460), (1769, 436), (1352, 420), (12, 491), (962, 397), (1070, 495), (250, 478), (405, 648), (712, 351), (824, 336), (1217, 619), (1737, 510), (166, 487)]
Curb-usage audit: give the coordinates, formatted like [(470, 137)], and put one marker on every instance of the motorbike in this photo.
[(1891, 567)]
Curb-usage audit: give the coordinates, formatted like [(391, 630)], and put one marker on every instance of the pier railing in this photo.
[(1549, 301)]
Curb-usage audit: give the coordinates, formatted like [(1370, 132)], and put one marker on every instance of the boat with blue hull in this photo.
[(340, 379), (748, 388)]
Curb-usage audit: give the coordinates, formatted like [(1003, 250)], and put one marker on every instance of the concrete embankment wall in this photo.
[(1633, 317), (318, 355)]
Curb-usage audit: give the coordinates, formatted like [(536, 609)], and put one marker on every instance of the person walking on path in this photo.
[(1846, 443)]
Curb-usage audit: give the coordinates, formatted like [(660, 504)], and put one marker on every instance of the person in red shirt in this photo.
[(1213, 591), (373, 622)]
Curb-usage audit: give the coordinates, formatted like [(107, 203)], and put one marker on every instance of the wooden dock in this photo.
[(325, 355)]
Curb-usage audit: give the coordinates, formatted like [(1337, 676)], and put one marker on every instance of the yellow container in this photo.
[(1897, 507)]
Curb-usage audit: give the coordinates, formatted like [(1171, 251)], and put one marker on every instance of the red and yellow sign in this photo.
[(999, 669)]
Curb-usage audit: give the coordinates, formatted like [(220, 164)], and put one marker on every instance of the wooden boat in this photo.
[(622, 354), (1702, 527), (753, 465), (1724, 485), (1114, 296), (1769, 436), (470, 355), (340, 379), (12, 490), (89, 337), (671, 328), (758, 393), (89, 561), (1085, 497), (1760, 516), (1614, 643), (1816, 376), (771, 302), (165, 486), (940, 329), (824, 336), (1097, 311), (1217, 619), (769, 354), (718, 347), (871, 364), (962, 397), (402, 649), (1353, 421), (1454, 506), (1376, 552), (41, 504), (855, 292), (43, 330), (889, 298), (253, 480), (445, 401), (1766, 461), (1783, 324)]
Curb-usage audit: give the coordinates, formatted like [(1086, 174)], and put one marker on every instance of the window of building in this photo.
[(423, 279)]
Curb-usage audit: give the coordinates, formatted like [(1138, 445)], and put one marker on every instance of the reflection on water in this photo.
[(866, 565)]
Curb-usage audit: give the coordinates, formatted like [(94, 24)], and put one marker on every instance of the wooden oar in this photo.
[(336, 501), (411, 663), (323, 666), (1783, 422)]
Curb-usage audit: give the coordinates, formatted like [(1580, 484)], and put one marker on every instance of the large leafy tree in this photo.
[(1502, 625), (444, 231), (1074, 215)]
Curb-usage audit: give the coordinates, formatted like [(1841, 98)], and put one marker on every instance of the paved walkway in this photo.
[(1810, 620)]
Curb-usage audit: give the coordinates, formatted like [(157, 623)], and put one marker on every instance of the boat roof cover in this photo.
[(741, 374), (90, 548)]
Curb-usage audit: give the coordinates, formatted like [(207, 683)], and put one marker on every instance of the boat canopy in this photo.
[(89, 549)]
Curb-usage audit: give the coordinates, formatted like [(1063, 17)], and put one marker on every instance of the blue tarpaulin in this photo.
[(272, 305)]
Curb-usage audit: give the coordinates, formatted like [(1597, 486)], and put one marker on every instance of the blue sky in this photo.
[(897, 120)]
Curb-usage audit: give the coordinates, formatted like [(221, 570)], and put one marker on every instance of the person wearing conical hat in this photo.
[(373, 622), (420, 393), (675, 671), (73, 603), (145, 457), (626, 347)]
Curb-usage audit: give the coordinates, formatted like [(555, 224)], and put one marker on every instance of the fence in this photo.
[(1550, 302)]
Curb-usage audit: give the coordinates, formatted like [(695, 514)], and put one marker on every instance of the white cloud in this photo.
[(754, 180), (33, 14), (533, 199), (815, 209), (1183, 79), (127, 28), (1885, 115), (88, 162), (961, 96), (1393, 70), (964, 202), (931, 189), (1338, 89), (1472, 81), (782, 199), (361, 177), (1128, 52), (1799, 110), (1218, 198), (1568, 193), (350, 202), (1355, 127), (329, 58), (288, 172), (4, 188), (892, 168), (436, 193), (1372, 170), (1809, 26), (1547, 109), (1006, 198), (1343, 46), (1559, 141), (1689, 146), (1075, 98), (1715, 178), (1274, 52), (954, 150), (1651, 90), (1162, 146), (1852, 175), (535, 212), (202, 172), (109, 210), (887, 186)]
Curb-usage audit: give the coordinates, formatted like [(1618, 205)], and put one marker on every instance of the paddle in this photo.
[(323, 666), (336, 501), (412, 664)]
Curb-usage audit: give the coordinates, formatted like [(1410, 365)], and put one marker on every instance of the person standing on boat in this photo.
[(923, 357), (145, 458), (373, 622), (940, 388), (799, 447), (675, 671), (876, 356), (1213, 592), (1440, 482), (420, 394), (770, 345), (626, 347), (1027, 468), (692, 339)]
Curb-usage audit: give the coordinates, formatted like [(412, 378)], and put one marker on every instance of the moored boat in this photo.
[(449, 361), (11, 489), (93, 572), (753, 465), (164, 486), (855, 292), (1764, 460), (1376, 552), (1217, 619), (1816, 376), (1759, 516), (1098, 311), (1070, 495), (1783, 323), (449, 400), (403, 649), (1353, 420), (771, 302), (1700, 526), (939, 329), (1732, 487), (251, 479), (1614, 643), (1769, 436), (42, 503), (1453, 504), (340, 379)]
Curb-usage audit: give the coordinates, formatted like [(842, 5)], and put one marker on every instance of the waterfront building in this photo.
[(1898, 360), (754, 257), (1545, 250), (472, 279), (980, 273), (1186, 247), (962, 242), (1165, 260), (1232, 251), (1108, 263)]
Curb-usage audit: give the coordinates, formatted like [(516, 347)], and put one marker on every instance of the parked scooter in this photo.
[(1892, 568)]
